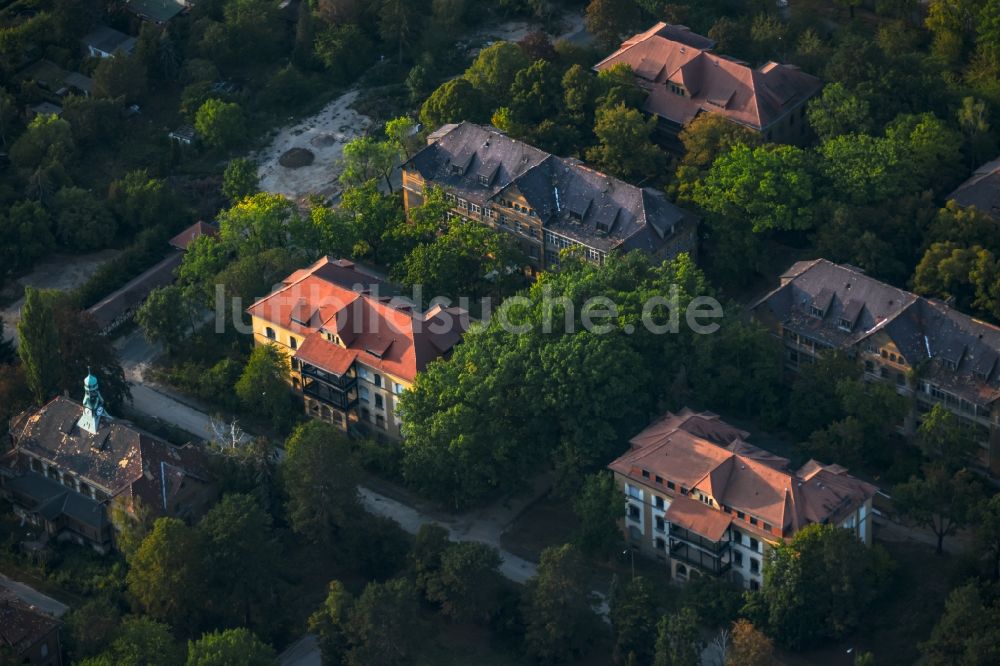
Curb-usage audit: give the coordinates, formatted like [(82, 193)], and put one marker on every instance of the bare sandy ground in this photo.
[(324, 134), (57, 272)]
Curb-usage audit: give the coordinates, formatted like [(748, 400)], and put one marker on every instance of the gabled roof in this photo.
[(108, 40), (959, 353), (481, 164), (196, 230), (106, 311), (981, 190), (119, 458), (698, 452), (318, 303), (667, 54), (21, 624)]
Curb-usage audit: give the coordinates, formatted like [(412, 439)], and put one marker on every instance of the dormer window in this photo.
[(816, 312), (484, 181), (844, 324)]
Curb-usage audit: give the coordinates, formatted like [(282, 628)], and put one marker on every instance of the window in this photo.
[(684, 491), (633, 512), (816, 312), (844, 324), (484, 180), (645, 474), (754, 585), (658, 479), (737, 558), (292, 342), (379, 402), (671, 486), (269, 332), (660, 525), (767, 527), (397, 388), (632, 491), (754, 545), (753, 521), (463, 204), (364, 393), (658, 501), (900, 379), (380, 421), (378, 380), (661, 544), (754, 565), (869, 367), (476, 208), (741, 515)]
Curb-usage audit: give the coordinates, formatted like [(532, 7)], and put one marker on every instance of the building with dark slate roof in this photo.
[(928, 350), (27, 635), (548, 203), (981, 191), (71, 462)]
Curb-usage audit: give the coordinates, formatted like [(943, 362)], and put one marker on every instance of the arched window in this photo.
[(269, 332), (681, 572)]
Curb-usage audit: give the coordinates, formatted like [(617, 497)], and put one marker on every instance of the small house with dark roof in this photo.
[(352, 350), (547, 203), (27, 635), (926, 349), (707, 502), (71, 461), (684, 78), (104, 42)]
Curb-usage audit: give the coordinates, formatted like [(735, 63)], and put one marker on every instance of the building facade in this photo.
[(547, 203), (72, 462), (705, 502), (930, 352), (685, 78), (352, 352)]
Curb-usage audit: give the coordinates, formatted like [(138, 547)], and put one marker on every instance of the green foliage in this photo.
[(37, 337), (598, 507), (709, 135), (813, 400), (27, 231), (492, 74), (140, 642), (48, 140), (91, 627), (263, 387), (402, 133), (625, 146), (240, 180), (452, 102), (321, 482), (165, 576), (121, 77), (818, 585), (229, 647), (609, 20), (715, 600), (384, 626), (837, 112), (465, 583), (940, 500), (220, 124), (556, 604), (677, 640), (943, 439), (373, 221), (82, 221), (260, 222), (345, 50), (968, 631), (141, 202), (367, 159), (751, 647), (330, 621), (633, 621)]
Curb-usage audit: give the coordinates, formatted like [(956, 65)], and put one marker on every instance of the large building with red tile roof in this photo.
[(685, 78), (71, 462), (703, 499), (352, 350)]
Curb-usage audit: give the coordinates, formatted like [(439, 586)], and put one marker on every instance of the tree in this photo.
[(165, 317), (165, 575), (465, 582), (813, 400), (240, 179), (8, 113), (709, 135), (452, 102), (48, 140), (818, 585), (8, 353), (598, 507), (942, 438), (469, 260), (677, 640), (492, 74), (535, 94), (633, 621), (84, 349), (560, 623), (141, 641), (749, 646), (345, 50), (968, 631), (27, 231), (973, 118), (608, 20), (321, 481), (242, 559), (263, 386), (771, 186), (141, 202), (837, 112), (383, 625), (366, 159), (37, 339), (122, 76), (626, 148), (232, 646), (402, 133), (429, 544), (329, 623), (204, 258), (92, 627), (260, 222), (82, 221), (220, 124), (988, 533), (579, 92), (941, 500), (374, 219)]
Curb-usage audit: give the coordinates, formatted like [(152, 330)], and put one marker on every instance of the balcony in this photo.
[(699, 558), (339, 382), (337, 399), (681, 534)]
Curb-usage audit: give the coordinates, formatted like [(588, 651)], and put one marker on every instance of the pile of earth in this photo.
[(295, 158)]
